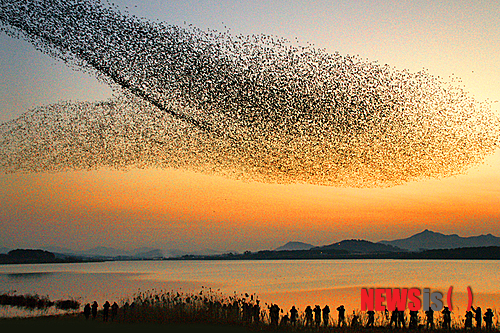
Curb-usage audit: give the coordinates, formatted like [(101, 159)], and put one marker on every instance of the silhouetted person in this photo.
[(309, 315), (446, 317), (413, 319), (274, 314), (394, 318), (488, 319), (256, 312), (341, 311), (218, 310), (235, 311), (371, 318), (430, 318), (355, 320), (247, 312), (126, 308), (294, 314), (317, 315), (94, 310), (86, 311), (226, 310), (105, 311), (401, 319), (284, 320), (326, 315), (114, 311), (478, 316), (468, 319)]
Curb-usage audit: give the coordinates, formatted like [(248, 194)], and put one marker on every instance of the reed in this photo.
[(212, 307)]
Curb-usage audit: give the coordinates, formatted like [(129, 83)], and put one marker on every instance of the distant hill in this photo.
[(429, 240), (206, 252), (64, 253), (174, 253), (38, 256), (272, 255), (59, 250), (148, 254), (27, 256), (360, 246), (102, 252), (294, 246)]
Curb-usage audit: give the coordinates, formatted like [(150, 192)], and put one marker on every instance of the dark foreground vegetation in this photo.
[(77, 324), (211, 311)]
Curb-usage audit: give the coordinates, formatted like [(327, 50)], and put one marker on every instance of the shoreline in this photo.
[(210, 310), (77, 323)]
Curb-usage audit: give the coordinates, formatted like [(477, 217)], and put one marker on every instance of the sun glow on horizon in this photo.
[(175, 186), (183, 208)]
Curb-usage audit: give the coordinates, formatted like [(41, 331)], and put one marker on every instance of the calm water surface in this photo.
[(299, 282)]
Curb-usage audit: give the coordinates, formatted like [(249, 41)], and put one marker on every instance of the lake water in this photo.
[(287, 283)]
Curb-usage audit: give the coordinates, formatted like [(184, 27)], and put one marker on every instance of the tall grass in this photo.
[(212, 307)]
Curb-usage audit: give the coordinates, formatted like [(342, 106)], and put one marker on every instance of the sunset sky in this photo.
[(190, 211)]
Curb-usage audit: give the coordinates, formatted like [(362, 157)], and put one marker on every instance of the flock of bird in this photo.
[(248, 107)]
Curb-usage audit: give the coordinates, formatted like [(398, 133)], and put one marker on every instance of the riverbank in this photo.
[(77, 324)]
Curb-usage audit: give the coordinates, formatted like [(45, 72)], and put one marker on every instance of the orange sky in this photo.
[(186, 210)]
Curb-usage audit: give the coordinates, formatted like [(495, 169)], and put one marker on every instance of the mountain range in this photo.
[(295, 246), (352, 246), (429, 240), (106, 253), (109, 253), (425, 240), (360, 246)]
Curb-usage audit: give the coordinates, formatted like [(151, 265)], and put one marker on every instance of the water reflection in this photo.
[(287, 283)]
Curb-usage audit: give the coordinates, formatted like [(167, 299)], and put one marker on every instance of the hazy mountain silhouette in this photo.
[(429, 240), (210, 252), (106, 253), (294, 246), (426, 240), (59, 250), (360, 246), (103, 251), (145, 253), (174, 253)]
